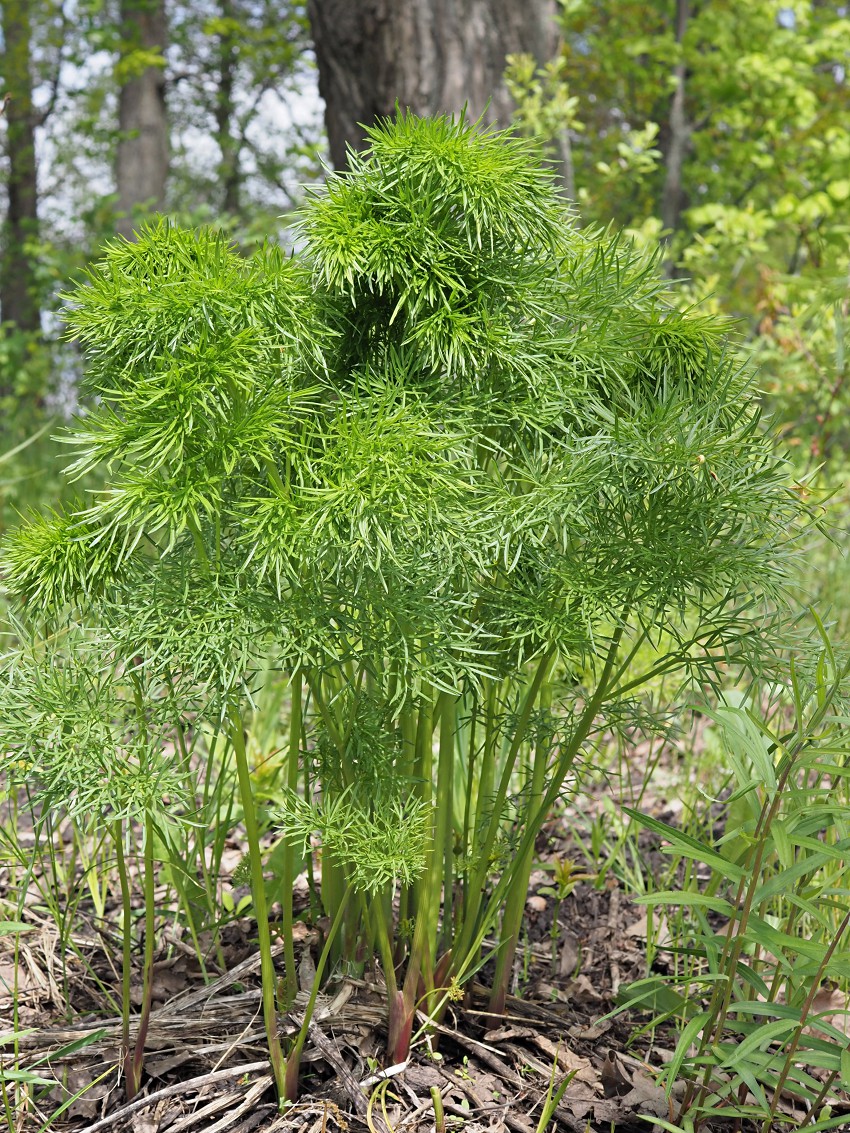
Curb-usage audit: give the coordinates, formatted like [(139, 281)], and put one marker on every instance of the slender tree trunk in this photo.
[(141, 167), (430, 56), (228, 167), (18, 290), (673, 198)]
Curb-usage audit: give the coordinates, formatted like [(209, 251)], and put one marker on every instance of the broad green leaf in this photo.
[(782, 842), (9, 928), (753, 1007), (8, 1074), (845, 1067), (777, 885)]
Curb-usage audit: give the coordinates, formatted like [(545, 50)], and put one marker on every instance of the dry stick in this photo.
[(178, 1088), (252, 1096), (178, 1005), (219, 1102), (293, 1061), (333, 1056)]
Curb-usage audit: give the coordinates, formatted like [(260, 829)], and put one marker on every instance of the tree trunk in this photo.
[(141, 166), (18, 289), (225, 110), (673, 195), (430, 56)]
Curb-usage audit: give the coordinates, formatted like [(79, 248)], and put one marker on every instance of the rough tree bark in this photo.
[(141, 166), (225, 111), (18, 291), (673, 198), (432, 56)]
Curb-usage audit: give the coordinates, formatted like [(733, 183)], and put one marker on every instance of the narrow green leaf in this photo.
[(686, 899), (688, 847), (688, 1035), (760, 1039)]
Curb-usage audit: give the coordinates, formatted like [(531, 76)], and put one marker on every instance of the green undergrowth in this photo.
[(749, 922)]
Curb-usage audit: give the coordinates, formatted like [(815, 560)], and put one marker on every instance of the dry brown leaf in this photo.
[(638, 929), (582, 990), (568, 1060), (88, 1105), (615, 1081), (833, 1007), (569, 954), (502, 1034), (158, 1068)]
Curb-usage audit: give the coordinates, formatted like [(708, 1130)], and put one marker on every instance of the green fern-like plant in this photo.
[(456, 464)]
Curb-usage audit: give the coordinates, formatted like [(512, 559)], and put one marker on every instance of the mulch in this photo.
[(205, 1068)]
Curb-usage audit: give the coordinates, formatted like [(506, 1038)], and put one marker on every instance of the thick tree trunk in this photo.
[(18, 292), (430, 56), (673, 197), (141, 167)]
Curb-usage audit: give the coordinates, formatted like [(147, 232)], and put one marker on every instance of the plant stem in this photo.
[(473, 934), (515, 904), (466, 841), (150, 928), (294, 1061), (442, 869), (804, 1014), (288, 869), (423, 775), (258, 894), (126, 960), (481, 871)]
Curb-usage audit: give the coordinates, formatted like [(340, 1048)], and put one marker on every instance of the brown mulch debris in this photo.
[(205, 1069)]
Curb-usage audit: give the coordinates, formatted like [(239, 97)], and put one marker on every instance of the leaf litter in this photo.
[(205, 1068)]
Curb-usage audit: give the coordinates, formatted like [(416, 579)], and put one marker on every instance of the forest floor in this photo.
[(205, 1068)]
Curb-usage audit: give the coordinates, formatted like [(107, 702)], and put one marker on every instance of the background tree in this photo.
[(18, 289), (430, 58), (141, 166), (88, 149), (723, 131), (33, 45), (238, 68)]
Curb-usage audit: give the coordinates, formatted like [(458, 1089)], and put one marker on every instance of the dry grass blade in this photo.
[(223, 1101), (250, 1100), (203, 1080)]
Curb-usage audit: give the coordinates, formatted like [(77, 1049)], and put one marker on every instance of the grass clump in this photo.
[(454, 466)]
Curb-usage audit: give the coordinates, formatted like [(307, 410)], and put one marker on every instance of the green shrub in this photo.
[(455, 465)]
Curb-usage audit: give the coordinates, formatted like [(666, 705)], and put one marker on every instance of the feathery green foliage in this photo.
[(454, 464)]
